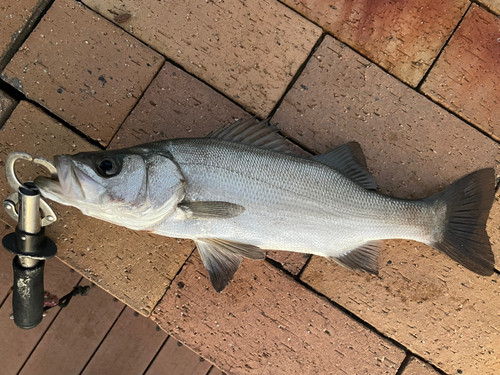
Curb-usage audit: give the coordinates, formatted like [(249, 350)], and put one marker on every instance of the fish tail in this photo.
[(464, 239)]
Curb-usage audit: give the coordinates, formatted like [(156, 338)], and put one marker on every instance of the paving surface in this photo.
[(414, 82), (250, 51), (403, 37), (266, 323), (105, 70), (468, 69)]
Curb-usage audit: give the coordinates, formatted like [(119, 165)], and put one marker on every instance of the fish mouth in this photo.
[(72, 184)]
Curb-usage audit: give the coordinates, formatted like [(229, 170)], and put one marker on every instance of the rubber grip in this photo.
[(27, 294)]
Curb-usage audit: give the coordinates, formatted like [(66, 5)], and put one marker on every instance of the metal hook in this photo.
[(10, 203)]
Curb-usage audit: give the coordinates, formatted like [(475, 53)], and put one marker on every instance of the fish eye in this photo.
[(107, 166)]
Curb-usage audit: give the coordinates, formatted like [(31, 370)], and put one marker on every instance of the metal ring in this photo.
[(10, 172)]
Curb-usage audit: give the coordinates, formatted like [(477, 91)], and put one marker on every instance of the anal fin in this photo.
[(363, 258), (222, 258)]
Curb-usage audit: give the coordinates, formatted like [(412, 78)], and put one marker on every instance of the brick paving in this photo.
[(403, 37), (250, 51), (466, 78), (82, 68), (17, 21), (266, 323), (413, 83)]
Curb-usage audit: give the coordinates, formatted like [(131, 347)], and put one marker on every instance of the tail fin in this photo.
[(468, 202)]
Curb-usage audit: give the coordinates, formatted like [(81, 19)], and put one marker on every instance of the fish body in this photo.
[(236, 192), (291, 203)]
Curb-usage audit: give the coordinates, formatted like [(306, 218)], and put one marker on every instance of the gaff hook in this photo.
[(11, 202)]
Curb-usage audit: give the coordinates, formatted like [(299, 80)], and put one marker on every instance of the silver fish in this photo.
[(237, 191)]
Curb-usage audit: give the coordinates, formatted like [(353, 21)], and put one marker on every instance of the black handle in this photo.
[(28, 294)]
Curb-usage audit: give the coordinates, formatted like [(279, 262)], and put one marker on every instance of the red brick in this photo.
[(128, 348), (7, 105), (249, 51), (136, 267), (192, 109), (71, 340), (18, 19), (417, 367), (178, 360), (17, 344), (83, 68), (403, 37), (266, 323), (466, 78), (414, 148)]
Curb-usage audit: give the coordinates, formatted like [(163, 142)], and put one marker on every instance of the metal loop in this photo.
[(11, 202), (10, 172)]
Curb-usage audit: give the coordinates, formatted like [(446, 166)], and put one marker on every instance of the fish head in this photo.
[(134, 187)]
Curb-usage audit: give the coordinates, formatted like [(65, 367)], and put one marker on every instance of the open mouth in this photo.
[(71, 183)]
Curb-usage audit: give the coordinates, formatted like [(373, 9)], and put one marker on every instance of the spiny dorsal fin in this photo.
[(348, 160), (210, 210), (252, 132), (362, 258), (222, 258)]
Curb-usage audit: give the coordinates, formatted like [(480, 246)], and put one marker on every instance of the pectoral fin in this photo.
[(222, 258), (362, 258), (210, 210), (349, 160)]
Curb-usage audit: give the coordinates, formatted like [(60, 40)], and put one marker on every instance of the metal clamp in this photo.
[(11, 203)]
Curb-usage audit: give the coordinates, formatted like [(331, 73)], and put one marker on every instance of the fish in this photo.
[(241, 190)]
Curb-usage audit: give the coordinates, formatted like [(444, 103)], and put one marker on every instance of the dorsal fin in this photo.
[(362, 258), (252, 132), (348, 160)]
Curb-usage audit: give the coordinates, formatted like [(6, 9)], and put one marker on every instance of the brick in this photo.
[(7, 105), (466, 78), (193, 109), (402, 37), (417, 367), (266, 323), (136, 267), (128, 348), (178, 360), (422, 299), (17, 344), (71, 340), (492, 5), (17, 20), (215, 371), (249, 51), (83, 68)]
